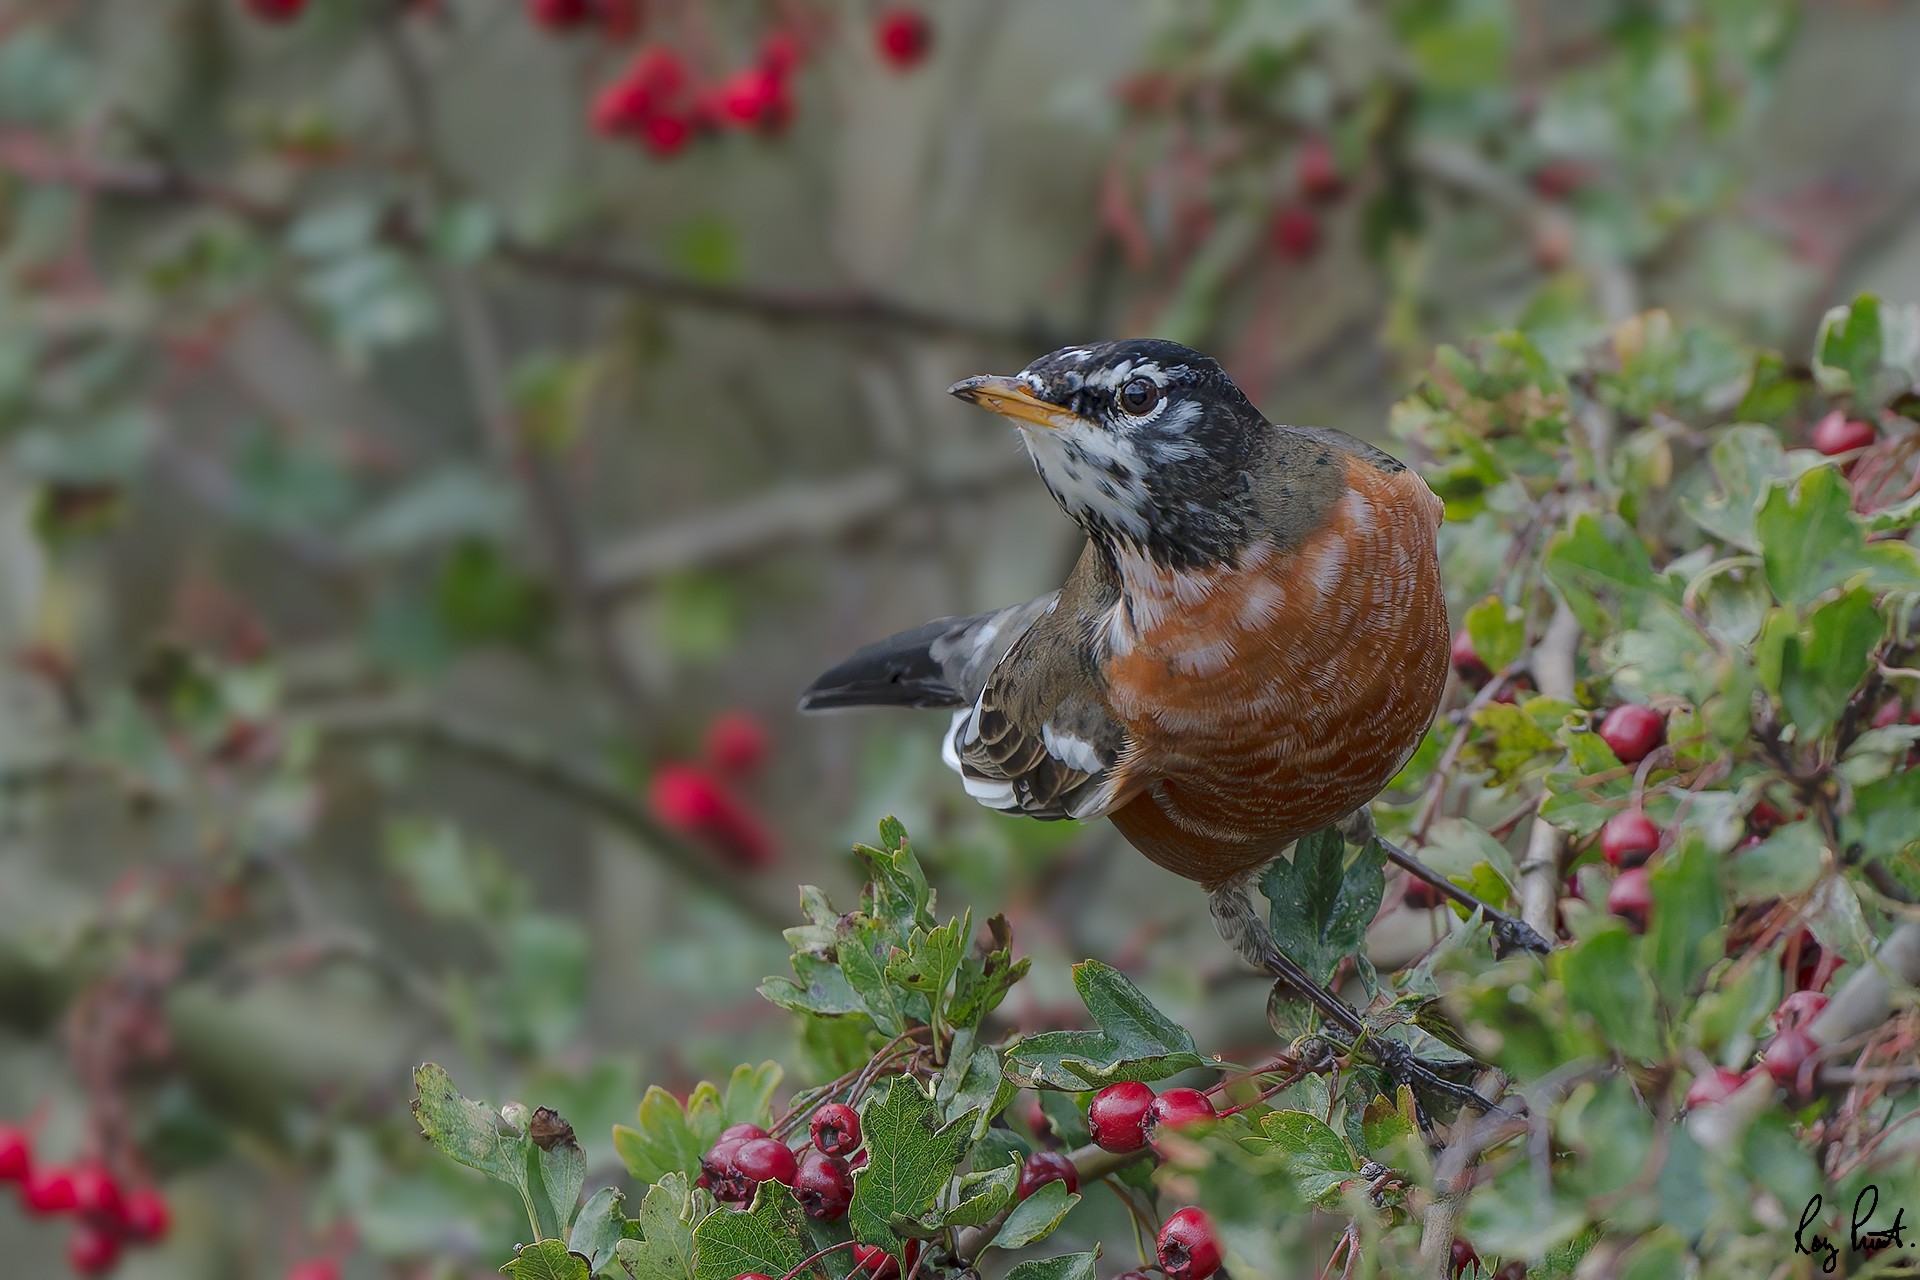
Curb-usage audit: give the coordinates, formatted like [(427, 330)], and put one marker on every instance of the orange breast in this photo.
[(1270, 700)]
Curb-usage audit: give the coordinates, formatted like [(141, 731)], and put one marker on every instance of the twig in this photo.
[(779, 518), (540, 767), (1553, 671), (26, 156)]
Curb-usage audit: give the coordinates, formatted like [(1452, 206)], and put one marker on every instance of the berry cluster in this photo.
[(700, 800), (1127, 1116), (821, 1178), (1317, 181), (108, 1217)]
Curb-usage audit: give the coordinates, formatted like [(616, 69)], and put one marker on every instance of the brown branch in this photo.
[(28, 158), (542, 768)]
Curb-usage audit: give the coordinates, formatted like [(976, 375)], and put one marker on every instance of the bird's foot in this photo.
[(1404, 1067), (1510, 933)]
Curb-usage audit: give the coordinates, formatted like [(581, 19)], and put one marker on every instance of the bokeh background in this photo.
[(439, 439)]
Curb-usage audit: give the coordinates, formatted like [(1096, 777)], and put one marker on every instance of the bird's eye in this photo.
[(1139, 396)]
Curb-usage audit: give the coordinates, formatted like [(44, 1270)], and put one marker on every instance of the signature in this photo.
[(1862, 1237)]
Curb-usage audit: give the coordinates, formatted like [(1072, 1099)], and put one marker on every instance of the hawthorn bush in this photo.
[(1688, 601)]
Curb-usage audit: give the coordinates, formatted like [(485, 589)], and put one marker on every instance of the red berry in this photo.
[(1176, 1109), (736, 744), (1787, 1055), (1813, 966), (47, 1191), (905, 37), (780, 53), (1466, 660), (722, 1172), (1558, 179), (1043, 1167), (666, 136), (870, 1263), (315, 1269), (1716, 1086), (1117, 1116), (16, 1153), (1631, 897), (835, 1129), (755, 99), (96, 1194), (1633, 731), (1799, 1009), (1462, 1256), (1187, 1247), (147, 1216), (276, 10), (1419, 895), (824, 1186), (1628, 839), (1837, 433), (1763, 818), (92, 1249), (686, 797), (557, 15), (653, 85), (1319, 172), (1515, 1270), (766, 1160), (1295, 233), (742, 1132)]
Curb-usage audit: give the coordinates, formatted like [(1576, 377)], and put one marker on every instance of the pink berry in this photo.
[(1117, 1116), (1188, 1249), (1631, 897), (1786, 1056), (92, 1249), (47, 1191), (1716, 1086), (666, 136), (16, 1153), (276, 10), (1295, 233), (1318, 171), (1628, 839), (1837, 433), (558, 15), (1799, 1009), (736, 744), (315, 1269), (1043, 1167), (96, 1194), (1466, 660), (1461, 1256), (742, 1132), (1633, 731), (904, 36), (835, 1129), (147, 1216)]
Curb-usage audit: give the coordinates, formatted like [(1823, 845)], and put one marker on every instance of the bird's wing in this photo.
[(1040, 739), (943, 663)]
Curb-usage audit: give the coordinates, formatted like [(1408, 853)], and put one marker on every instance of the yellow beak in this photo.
[(1009, 399)]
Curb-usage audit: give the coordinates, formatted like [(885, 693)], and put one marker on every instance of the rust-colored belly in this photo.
[(1272, 700)]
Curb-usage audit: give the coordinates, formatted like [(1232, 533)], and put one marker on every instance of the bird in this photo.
[(1252, 643)]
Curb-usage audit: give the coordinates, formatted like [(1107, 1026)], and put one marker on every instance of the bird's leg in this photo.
[(1240, 924), (1510, 933)]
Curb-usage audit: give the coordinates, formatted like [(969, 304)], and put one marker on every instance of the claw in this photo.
[(1511, 934)]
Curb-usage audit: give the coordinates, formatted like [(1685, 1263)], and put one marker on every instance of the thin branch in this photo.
[(547, 771), (26, 156)]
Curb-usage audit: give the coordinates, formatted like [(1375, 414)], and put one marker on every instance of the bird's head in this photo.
[(1145, 443)]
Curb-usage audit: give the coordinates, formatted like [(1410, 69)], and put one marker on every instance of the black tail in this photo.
[(900, 671), (943, 663)]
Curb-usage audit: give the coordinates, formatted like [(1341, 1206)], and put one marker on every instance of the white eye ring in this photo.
[(1151, 397)]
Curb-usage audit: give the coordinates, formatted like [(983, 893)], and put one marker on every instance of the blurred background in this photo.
[(439, 439)]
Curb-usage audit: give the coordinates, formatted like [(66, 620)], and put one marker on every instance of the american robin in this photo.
[(1252, 643)]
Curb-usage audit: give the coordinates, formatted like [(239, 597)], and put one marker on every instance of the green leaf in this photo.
[(750, 1094), (600, 1228), (1684, 927), (1135, 1041), (1606, 981), (1315, 1155), (897, 891), (911, 1157), (860, 938), (1882, 822), (665, 1248), (931, 958), (1601, 568), (984, 1195), (1847, 348), (1825, 660), (1783, 865), (547, 1260), (662, 1141), (468, 1132), (1035, 1218), (986, 974), (561, 1171), (770, 1238), (1812, 543), (1498, 632), (1749, 462), (1070, 1266), (974, 1085), (1322, 903)]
